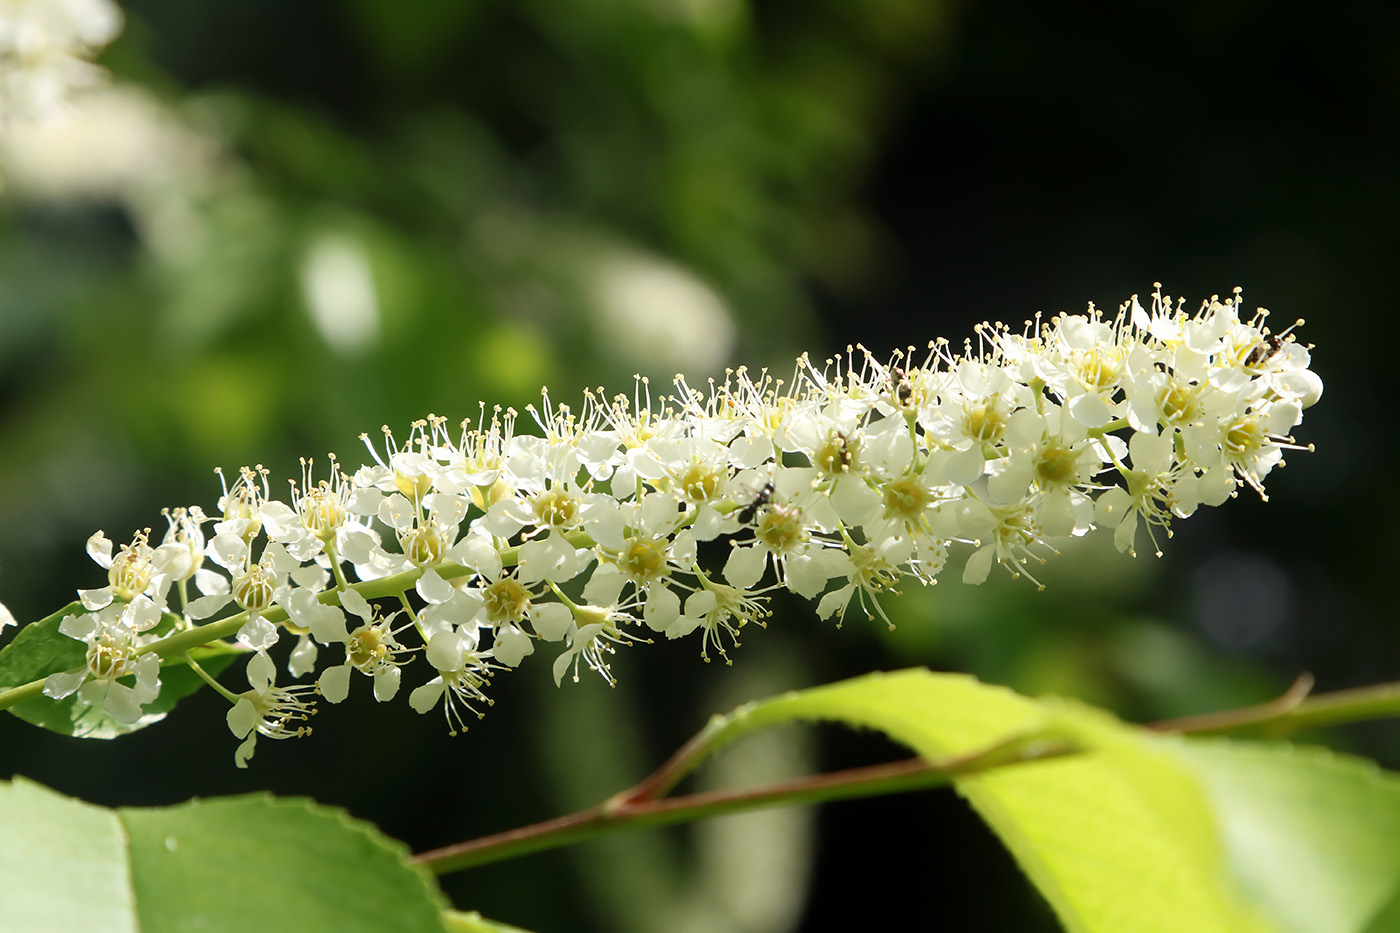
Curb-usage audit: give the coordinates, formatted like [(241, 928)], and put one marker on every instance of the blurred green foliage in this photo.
[(332, 216)]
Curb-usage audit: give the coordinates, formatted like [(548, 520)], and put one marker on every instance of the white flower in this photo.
[(372, 649), (266, 709), (131, 573), (463, 672), (113, 653), (45, 51), (719, 611)]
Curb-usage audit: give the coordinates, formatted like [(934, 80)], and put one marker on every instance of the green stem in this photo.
[(340, 582), (635, 809), (219, 688)]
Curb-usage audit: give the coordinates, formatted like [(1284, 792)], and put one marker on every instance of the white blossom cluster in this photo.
[(46, 47), (593, 533)]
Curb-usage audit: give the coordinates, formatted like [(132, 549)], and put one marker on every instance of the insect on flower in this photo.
[(902, 389), (1264, 351), (843, 454), (750, 511)]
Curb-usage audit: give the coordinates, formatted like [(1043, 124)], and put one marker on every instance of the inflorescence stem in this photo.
[(645, 804)]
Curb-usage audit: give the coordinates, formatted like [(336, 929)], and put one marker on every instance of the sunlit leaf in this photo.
[(1310, 835), (1141, 831)]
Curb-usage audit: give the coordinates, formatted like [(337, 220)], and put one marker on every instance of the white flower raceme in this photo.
[(838, 485)]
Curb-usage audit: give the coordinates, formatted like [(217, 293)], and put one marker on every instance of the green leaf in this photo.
[(1120, 837), (472, 922), (1143, 831), (229, 864), (40, 649), (1312, 837), (62, 864)]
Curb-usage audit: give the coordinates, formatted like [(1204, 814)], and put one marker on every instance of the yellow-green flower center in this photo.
[(555, 508), (1179, 404), (906, 499), (642, 558), (700, 482), (506, 600), (834, 456), (423, 544), (983, 421), (780, 528), (1057, 465), (253, 590), (1244, 436)]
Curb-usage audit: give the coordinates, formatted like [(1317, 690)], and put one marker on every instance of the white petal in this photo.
[(745, 567), (229, 551), (561, 664), (1124, 534), (478, 552), (82, 627), (604, 586), (334, 683), (386, 683), (426, 697), (210, 583), (963, 467), (245, 750), (979, 565), (662, 608), (855, 502), (397, 512), (352, 601), (122, 702), (243, 718), (358, 547), (100, 550), (835, 601), (433, 588), (1057, 516), (974, 519), (206, 606), (551, 621), (312, 577), (141, 614), (1090, 410), (326, 623), (511, 646), (58, 686), (806, 576), (303, 659), (260, 672), (444, 651), (258, 633), (701, 603), (93, 600)]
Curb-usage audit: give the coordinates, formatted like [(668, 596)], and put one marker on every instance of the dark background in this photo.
[(830, 172)]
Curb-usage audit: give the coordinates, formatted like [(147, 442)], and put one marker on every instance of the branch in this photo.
[(1294, 710), (636, 808), (645, 804)]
